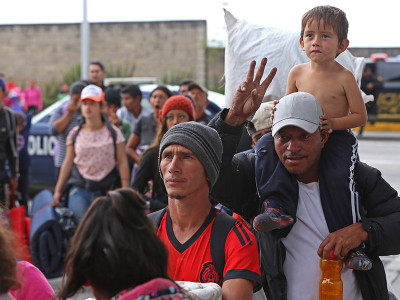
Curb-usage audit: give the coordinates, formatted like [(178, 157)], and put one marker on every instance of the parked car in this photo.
[(41, 144)]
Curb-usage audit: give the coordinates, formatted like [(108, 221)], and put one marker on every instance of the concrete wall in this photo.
[(166, 50)]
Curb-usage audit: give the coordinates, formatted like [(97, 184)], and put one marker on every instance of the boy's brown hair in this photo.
[(331, 16)]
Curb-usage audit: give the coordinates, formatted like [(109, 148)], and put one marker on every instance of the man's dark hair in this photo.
[(132, 90), (186, 82), (164, 89), (97, 63), (115, 246)]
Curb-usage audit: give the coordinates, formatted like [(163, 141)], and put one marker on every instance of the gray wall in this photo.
[(157, 49)]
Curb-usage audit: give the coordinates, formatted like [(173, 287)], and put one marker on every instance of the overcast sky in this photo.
[(372, 23)]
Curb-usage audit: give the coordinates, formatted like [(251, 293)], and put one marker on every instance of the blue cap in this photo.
[(2, 84)]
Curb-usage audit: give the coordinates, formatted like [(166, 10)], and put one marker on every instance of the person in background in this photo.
[(96, 74), (132, 109), (24, 128), (371, 85), (95, 160), (117, 252), (8, 150), (64, 90), (63, 120), (184, 86), (177, 109), (8, 266), (113, 103), (199, 96), (12, 90), (33, 97), (19, 280), (261, 123), (147, 126)]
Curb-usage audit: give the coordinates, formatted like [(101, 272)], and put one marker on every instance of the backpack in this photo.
[(220, 229), (111, 181), (109, 127)]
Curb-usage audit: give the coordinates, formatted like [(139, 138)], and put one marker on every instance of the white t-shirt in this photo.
[(301, 265)]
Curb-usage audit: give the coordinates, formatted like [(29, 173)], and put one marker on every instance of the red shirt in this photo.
[(192, 260)]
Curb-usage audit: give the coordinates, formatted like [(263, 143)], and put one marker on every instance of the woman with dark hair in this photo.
[(147, 126), (115, 250), (177, 109)]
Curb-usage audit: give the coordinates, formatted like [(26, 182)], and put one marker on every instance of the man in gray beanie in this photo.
[(204, 244)]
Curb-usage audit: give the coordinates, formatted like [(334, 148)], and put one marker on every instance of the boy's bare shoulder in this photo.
[(299, 68)]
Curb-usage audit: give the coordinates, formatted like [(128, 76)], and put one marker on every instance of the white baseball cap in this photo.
[(261, 119), (298, 109), (92, 92)]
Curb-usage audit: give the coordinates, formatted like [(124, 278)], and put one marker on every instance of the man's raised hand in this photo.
[(249, 94)]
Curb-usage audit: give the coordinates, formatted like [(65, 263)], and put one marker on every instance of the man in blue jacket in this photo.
[(290, 258)]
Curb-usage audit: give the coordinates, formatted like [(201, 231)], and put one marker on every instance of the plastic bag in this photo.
[(247, 42)]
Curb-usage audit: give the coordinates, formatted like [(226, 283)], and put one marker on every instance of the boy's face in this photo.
[(321, 43)]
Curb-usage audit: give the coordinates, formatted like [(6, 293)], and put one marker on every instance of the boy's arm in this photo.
[(358, 113), (291, 82)]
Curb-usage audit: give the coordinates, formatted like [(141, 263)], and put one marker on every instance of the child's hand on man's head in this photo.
[(326, 124), (271, 113)]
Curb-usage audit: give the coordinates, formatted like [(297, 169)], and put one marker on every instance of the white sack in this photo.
[(247, 42)]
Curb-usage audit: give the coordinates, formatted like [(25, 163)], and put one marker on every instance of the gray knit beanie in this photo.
[(202, 140)]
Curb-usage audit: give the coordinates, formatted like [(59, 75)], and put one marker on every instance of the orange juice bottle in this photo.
[(331, 285)]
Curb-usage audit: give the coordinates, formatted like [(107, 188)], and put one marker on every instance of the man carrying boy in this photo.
[(323, 38), (290, 257)]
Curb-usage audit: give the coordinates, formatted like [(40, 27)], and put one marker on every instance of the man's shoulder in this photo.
[(146, 111), (123, 112), (364, 173)]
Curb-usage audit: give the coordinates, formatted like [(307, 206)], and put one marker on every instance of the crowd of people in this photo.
[(162, 194)]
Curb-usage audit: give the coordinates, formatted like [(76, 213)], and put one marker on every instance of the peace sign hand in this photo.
[(249, 94)]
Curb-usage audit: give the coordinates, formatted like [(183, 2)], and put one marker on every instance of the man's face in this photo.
[(300, 151), (129, 102), (183, 173), (184, 89), (96, 74), (259, 134), (200, 100), (75, 97)]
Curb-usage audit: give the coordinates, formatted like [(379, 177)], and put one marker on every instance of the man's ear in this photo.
[(343, 46), (324, 137)]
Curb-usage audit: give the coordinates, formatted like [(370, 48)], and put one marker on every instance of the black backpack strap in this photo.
[(77, 131), (109, 127), (111, 130), (221, 227), (156, 217)]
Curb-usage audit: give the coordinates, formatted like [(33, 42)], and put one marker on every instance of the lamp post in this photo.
[(85, 42)]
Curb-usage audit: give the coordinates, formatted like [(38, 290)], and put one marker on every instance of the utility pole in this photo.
[(85, 42)]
